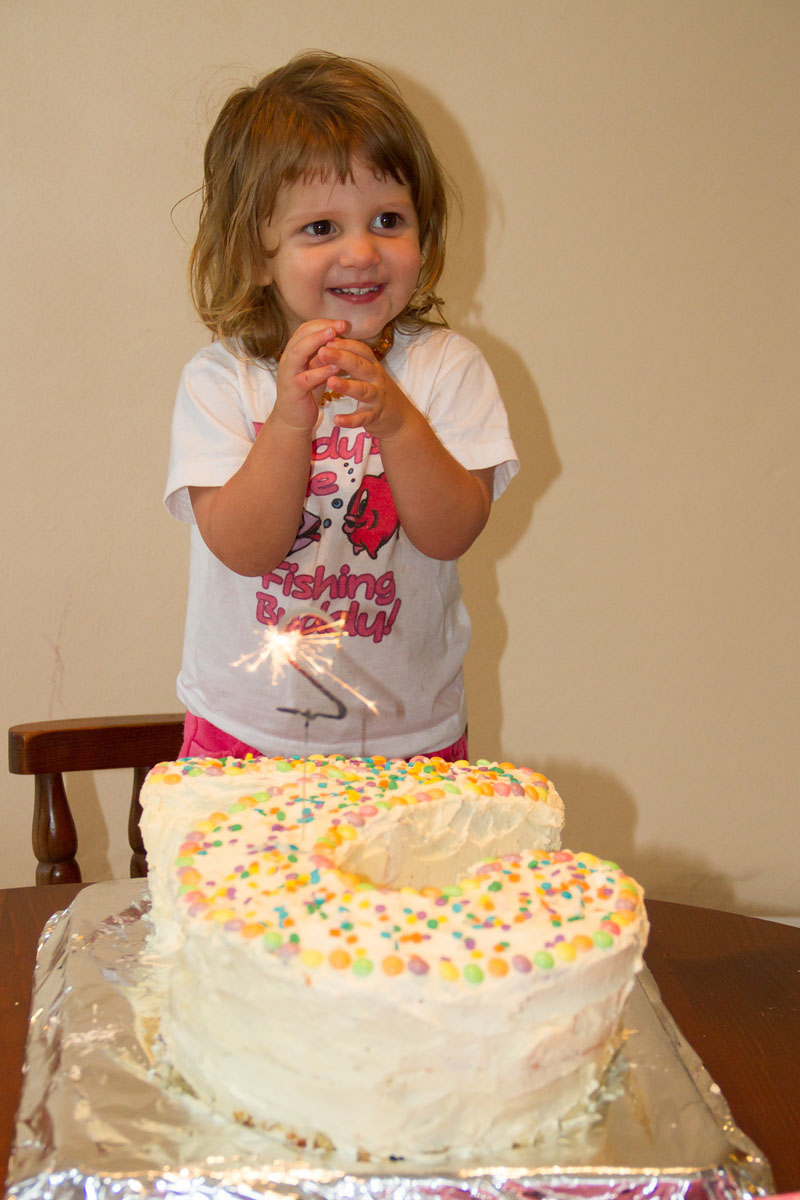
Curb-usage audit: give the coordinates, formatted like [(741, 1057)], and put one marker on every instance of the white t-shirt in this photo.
[(407, 627)]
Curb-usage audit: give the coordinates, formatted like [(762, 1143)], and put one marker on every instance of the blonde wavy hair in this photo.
[(311, 118)]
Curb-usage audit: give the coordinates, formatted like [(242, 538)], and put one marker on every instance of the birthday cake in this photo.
[(390, 959)]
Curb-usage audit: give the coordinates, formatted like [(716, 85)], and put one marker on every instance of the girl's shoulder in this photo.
[(227, 357), (437, 356), (432, 337), (435, 344)]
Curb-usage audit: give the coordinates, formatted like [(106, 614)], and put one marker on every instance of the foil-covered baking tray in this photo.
[(97, 1118)]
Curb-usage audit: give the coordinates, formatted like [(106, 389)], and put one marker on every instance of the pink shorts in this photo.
[(201, 739)]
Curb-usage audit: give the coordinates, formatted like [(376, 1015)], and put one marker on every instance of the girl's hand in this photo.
[(441, 505), (383, 409), (302, 374)]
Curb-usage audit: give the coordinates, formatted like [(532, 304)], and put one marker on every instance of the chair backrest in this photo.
[(48, 749)]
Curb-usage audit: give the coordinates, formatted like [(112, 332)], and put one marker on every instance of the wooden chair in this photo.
[(46, 749)]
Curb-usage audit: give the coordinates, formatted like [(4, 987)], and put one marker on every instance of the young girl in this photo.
[(334, 449)]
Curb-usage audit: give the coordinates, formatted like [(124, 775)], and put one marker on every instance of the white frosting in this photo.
[(459, 1003)]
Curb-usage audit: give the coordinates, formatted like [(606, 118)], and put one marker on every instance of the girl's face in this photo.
[(343, 251)]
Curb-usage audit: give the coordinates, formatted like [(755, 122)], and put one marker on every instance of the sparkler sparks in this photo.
[(306, 644)]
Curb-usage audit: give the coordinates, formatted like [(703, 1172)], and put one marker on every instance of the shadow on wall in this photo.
[(601, 816), (530, 429)]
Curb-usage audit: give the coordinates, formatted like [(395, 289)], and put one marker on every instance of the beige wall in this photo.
[(628, 261)]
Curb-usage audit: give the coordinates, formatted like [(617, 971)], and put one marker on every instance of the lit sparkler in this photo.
[(306, 644)]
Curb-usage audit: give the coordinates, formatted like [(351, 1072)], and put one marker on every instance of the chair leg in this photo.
[(55, 841), (138, 857)]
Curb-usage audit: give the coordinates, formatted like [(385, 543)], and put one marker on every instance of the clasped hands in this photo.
[(318, 358)]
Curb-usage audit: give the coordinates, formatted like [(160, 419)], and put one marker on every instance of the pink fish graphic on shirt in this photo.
[(371, 517)]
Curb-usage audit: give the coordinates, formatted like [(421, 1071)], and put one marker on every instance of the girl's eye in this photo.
[(318, 228), (388, 220)]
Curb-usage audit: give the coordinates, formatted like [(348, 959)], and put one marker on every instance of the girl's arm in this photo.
[(250, 523), (441, 505)]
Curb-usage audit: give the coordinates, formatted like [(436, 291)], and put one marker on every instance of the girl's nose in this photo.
[(358, 250)]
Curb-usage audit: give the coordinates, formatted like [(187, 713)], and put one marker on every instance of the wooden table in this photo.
[(732, 984)]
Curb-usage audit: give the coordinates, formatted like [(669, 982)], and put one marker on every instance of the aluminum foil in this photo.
[(100, 1119)]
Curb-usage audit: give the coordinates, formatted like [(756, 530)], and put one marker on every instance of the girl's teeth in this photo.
[(356, 291)]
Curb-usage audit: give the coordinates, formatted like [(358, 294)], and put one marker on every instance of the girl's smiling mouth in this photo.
[(364, 292)]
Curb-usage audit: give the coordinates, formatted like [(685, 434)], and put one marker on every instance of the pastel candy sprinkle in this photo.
[(497, 967), (264, 864)]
